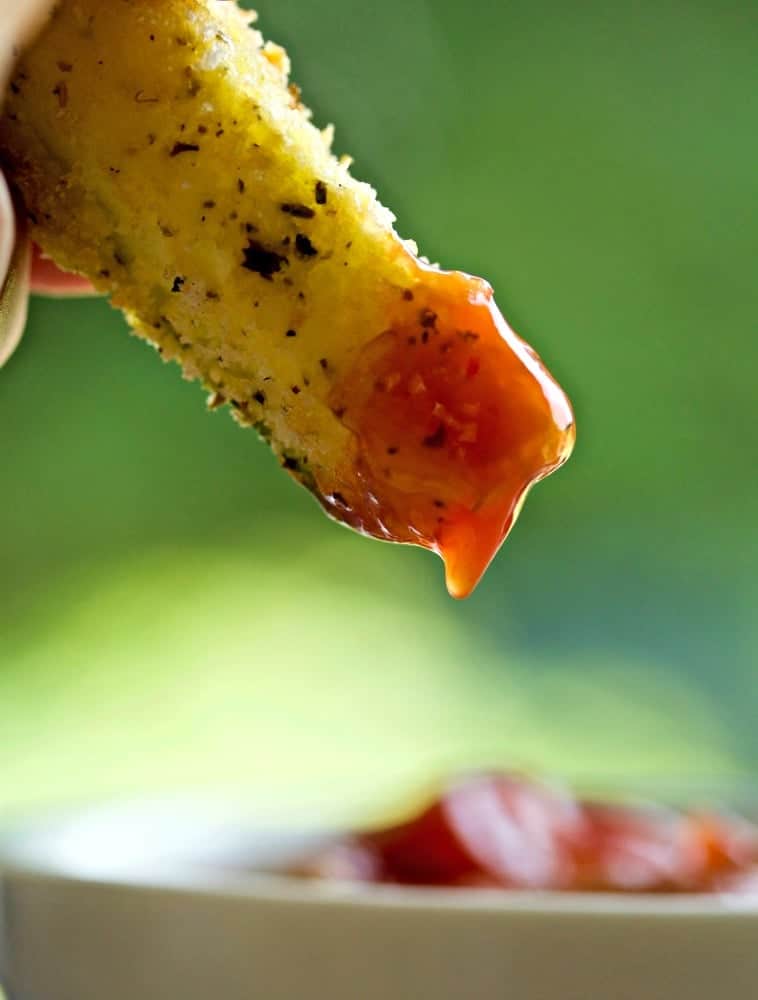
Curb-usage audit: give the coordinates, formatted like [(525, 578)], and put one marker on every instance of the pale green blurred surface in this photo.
[(175, 613)]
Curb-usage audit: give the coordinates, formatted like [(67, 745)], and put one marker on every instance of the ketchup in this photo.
[(456, 418), (503, 831)]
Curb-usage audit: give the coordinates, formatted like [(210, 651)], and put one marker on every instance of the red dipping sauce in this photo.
[(457, 419), (504, 831)]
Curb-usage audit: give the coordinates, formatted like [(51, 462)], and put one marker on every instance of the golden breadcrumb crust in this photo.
[(161, 152)]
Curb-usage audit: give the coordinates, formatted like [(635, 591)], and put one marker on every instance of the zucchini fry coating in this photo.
[(160, 151)]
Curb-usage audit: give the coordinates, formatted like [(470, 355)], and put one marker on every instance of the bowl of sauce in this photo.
[(499, 887)]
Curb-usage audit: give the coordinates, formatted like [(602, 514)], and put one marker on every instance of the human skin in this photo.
[(23, 269)]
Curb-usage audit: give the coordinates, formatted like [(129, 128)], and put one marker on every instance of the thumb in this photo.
[(14, 276), (19, 20)]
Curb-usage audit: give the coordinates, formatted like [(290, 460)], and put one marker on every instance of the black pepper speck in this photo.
[(304, 247), (261, 260), (297, 210)]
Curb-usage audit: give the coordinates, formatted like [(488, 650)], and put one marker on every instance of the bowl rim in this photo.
[(265, 888), (218, 861)]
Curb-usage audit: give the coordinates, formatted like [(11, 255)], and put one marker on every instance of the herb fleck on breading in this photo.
[(184, 147), (304, 247), (297, 210), (261, 260)]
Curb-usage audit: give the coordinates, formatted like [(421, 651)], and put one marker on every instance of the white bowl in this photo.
[(162, 903)]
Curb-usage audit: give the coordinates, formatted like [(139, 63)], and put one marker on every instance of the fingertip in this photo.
[(48, 279), (14, 298)]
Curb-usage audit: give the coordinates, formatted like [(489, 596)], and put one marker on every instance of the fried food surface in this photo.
[(192, 187), (161, 152)]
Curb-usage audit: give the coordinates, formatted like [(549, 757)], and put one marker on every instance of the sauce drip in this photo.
[(456, 418)]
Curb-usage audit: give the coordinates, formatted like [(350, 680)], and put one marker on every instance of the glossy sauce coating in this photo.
[(502, 831), (211, 209), (456, 418)]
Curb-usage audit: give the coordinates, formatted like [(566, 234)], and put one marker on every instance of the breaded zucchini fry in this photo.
[(160, 152)]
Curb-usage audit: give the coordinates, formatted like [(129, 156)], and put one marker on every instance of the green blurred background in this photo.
[(176, 614)]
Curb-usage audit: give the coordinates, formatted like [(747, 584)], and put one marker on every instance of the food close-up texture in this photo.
[(160, 150), (595, 165)]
